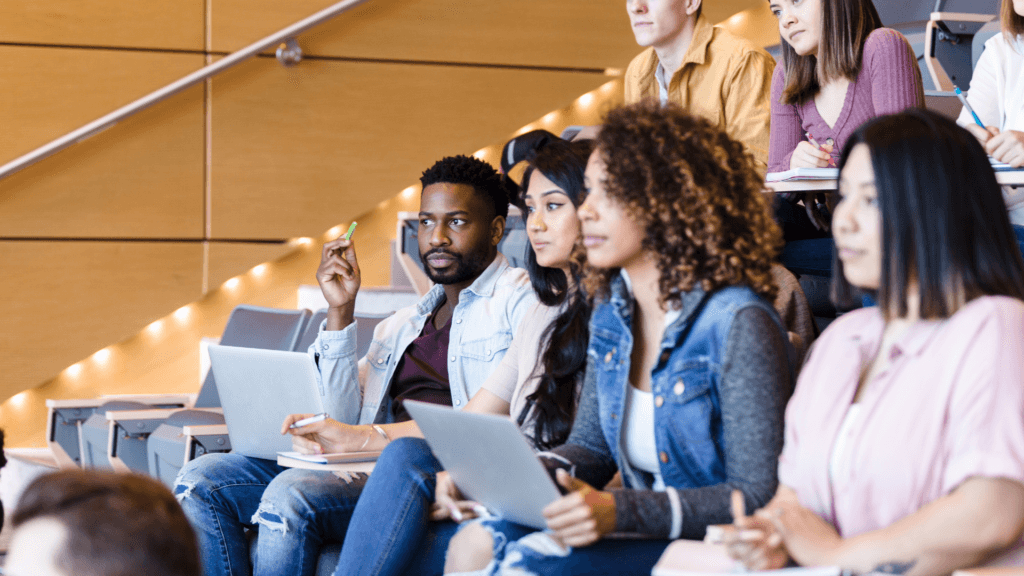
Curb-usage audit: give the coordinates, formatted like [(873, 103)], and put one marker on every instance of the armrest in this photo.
[(34, 456), (206, 430), (120, 416), (156, 399), (209, 435), (940, 28), (961, 17)]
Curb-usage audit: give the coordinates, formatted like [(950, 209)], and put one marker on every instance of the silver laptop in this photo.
[(258, 390), (490, 461)]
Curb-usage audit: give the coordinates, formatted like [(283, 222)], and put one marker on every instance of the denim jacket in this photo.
[(684, 382), (483, 322)]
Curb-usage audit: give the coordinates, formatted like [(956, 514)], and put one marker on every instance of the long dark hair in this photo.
[(845, 27), (551, 408), (944, 222)]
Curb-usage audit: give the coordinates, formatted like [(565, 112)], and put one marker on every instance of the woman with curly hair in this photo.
[(687, 367)]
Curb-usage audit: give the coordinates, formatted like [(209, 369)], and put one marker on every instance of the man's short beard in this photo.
[(466, 267)]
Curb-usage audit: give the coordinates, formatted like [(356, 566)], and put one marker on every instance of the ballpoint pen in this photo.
[(963, 99)]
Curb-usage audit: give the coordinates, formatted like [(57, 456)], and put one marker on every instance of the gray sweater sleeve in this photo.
[(753, 390), (586, 449)]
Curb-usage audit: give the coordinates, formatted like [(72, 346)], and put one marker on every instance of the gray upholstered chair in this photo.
[(159, 434)]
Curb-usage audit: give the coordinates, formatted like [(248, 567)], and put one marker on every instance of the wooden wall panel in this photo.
[(570, 33), (141, 24), (141, 178), (227, 260), (756, 24), (62, 301), (298, 150)]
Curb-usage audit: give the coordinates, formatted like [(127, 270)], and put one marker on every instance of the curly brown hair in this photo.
[(697, 194)]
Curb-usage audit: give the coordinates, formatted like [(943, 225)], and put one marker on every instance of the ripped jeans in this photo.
[(297, 511), (523, 551)]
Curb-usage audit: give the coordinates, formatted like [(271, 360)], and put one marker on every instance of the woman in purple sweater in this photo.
[(839, 69)]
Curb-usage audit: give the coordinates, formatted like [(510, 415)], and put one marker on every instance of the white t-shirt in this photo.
[(997, 96)]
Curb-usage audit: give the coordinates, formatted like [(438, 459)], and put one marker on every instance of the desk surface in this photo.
[(1006, 178)]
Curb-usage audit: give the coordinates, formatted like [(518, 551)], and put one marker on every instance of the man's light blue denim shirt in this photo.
[(355, 391)]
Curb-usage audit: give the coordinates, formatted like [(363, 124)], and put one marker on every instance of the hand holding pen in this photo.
[(809, 154), (978, 129), (1005, 146), (751, 540)]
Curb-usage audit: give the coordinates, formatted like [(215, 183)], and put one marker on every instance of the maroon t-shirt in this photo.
[(422, 372)]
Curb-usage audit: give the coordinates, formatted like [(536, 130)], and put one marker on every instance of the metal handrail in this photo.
[(99, 125)]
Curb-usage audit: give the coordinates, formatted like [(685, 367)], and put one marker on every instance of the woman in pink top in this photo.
[(904, 443), (839, 69)]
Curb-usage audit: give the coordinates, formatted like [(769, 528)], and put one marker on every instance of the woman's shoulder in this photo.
[(736, 307), (859, 323), (884, 41), (1002, 315), (538, 317), (1002, 48)]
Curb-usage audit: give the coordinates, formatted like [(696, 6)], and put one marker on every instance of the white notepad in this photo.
[(695, 558), (332, 458), (797, 174)]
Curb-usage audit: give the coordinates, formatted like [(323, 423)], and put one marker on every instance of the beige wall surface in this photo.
[(143, 178), (176, 24), (229, 259), (300, 149), (566, 33), (188, 194), (62, 298)]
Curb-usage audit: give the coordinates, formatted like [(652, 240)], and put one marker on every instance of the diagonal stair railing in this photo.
[(285, 35)]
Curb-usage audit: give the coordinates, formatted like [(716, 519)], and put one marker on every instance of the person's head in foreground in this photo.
[(904, 447), (670, 191), (463, 208), (921, 221), (87, 523)]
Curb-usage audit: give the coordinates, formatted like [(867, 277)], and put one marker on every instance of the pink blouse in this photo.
[(949, 406)]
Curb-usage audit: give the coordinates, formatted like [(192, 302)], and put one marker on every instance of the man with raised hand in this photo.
[(440, 350), (701, 67)]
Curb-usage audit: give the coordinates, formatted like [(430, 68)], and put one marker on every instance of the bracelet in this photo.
[(369, 434), (382, 433)]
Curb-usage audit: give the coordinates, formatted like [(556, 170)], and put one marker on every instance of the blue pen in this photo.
[(960, 95)]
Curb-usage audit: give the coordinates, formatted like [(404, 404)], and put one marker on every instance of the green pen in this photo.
[(351, 229)]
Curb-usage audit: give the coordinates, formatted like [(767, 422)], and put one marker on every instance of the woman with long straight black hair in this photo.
[(938, 365)]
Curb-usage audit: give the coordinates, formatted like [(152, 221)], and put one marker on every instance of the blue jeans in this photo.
[(522, 550), (391, 532), (297, 511), (811, 256)]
